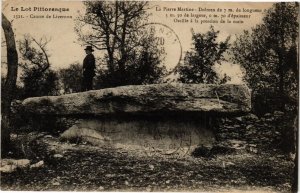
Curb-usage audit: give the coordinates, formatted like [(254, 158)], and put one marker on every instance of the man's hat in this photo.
[(89, 48)]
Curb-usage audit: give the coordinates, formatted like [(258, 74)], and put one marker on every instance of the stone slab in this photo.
[(227, 98)]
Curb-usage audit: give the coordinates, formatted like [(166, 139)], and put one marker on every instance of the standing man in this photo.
[(88, 69)]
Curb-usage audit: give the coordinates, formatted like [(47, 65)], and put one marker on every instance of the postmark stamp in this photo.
[(168, 42)]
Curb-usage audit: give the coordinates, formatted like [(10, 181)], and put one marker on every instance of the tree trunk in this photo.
[(123, 59), (295, 172), (10, 83), (281, 77)]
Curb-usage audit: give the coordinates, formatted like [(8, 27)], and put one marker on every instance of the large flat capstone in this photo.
[(227, 98)]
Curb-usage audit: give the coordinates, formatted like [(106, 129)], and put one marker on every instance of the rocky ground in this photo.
[(246, 157)]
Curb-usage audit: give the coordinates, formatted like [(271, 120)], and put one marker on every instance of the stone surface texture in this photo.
[(227, 98), (168, 137), (11, 165)]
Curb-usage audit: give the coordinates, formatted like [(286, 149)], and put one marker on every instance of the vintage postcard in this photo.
[(149, 96)]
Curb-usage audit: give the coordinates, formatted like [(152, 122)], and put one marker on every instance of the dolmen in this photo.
[(158, 119)]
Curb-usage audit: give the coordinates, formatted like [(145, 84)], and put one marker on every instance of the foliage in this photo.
[(70, 78), (37, 83), (198, 63), (37, 77), (117, 28), (144, 67), (268, 53)]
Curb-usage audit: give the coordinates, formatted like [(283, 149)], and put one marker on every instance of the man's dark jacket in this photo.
[(89, 66), (88, 72)]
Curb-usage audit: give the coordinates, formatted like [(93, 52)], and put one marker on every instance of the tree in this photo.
[(268, 53), (37, 83), (143, 67), (37, 77), (71, 78), (116, 26), (10, 83), (198, 63)]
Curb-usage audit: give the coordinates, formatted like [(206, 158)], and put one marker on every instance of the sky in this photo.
[(64, 48)]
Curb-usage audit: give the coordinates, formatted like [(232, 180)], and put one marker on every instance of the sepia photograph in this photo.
[(149, 96)]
